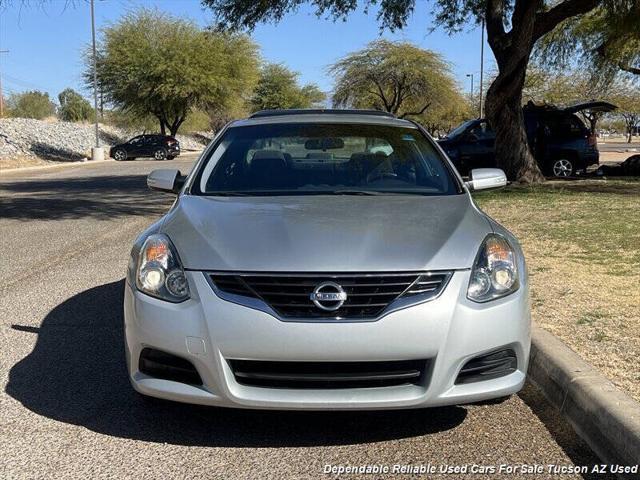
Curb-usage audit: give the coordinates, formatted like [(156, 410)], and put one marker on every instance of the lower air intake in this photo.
[(165, 366), (491, 365), (328, 375)]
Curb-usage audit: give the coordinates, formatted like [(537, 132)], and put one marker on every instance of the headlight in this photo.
[(494, 272), (159, 272)]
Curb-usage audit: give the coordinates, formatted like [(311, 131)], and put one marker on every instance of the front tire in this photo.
[(120, 155), (160, 154), (562, 168)]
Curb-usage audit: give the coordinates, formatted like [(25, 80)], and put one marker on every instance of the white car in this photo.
[(326, 260)]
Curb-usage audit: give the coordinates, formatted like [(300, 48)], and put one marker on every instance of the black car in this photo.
[(160, 147), (559, 140)]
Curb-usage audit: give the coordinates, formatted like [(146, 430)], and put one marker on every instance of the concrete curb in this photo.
[(606, 418)]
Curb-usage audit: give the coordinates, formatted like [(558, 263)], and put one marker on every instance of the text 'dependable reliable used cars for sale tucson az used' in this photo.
[(326, 259)]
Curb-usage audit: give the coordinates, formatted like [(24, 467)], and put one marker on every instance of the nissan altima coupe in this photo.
[(326, 260)]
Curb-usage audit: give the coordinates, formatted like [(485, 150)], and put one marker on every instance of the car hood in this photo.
[(326, 233)]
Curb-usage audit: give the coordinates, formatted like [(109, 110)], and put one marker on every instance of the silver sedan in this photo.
[(326, 260)]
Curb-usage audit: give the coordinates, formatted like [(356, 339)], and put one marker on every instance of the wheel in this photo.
[(170, 157), (562, 168), (160, 154), (119, 155)]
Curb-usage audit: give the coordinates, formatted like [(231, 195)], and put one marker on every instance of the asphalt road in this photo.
[(67, 410), (617, 145)]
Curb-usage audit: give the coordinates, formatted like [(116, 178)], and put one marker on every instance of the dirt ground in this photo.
[(582, 243)]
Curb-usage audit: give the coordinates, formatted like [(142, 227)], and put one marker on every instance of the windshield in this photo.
[(338, 159), (460, 129)]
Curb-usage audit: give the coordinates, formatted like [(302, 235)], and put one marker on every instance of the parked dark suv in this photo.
[(160, 147), (559, 140)]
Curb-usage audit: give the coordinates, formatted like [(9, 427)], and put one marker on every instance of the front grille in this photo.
[(328, 375), (368, 295)]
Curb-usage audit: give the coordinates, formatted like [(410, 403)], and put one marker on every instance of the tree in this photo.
[(396, 77), (151, 63), (606, 40), (627, 96), (32, 104), (513, 28), (278, 88), (73, 107)]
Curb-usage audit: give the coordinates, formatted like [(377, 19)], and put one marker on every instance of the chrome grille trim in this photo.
[(370, 296)]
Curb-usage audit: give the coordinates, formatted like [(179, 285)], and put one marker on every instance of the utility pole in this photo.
[(481, 68), (1, 97), (95, 73), (471, 91)]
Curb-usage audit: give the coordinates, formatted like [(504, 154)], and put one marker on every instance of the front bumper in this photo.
[(209, 331)]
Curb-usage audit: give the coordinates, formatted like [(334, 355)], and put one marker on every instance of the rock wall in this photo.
[(66, 140)]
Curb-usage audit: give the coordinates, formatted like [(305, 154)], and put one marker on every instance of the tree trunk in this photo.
[(175, 126), (504, 112)]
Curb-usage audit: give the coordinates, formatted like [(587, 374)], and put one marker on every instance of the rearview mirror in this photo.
[(166, 180), (485, 178)]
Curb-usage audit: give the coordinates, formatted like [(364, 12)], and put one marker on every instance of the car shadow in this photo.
[(101, 197), (76, 374)]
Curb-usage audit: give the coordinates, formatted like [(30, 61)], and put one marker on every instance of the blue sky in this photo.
[(44, 43)]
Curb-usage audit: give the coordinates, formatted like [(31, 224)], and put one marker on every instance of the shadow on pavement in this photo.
[(100, 197), (76, 374)]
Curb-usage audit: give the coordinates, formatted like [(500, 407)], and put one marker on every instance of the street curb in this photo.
[(606, 418)]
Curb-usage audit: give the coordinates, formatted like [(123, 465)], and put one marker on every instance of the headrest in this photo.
[(268, 160), (262, 154)]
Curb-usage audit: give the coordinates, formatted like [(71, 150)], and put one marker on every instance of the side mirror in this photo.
[(166, 180), (485, 178)]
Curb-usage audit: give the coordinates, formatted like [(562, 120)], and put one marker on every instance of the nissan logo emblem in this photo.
[(328, 296)]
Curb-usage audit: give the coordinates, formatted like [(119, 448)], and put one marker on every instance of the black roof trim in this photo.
[(315, 111)]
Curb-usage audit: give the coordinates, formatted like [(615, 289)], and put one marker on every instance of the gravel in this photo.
[(67, 141)]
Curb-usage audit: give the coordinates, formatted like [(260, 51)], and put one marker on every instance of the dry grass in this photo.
[(582, 243)]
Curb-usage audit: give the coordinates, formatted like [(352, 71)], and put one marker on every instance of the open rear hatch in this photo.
[(592, 105)]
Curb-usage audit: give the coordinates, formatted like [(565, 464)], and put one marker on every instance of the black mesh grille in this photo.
[(368, 295), (321, 375)]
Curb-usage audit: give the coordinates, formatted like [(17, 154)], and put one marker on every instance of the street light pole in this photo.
[(471, 91), (95, 73), (481, 68)]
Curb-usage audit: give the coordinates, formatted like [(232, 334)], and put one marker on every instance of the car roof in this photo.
[(368, 117)]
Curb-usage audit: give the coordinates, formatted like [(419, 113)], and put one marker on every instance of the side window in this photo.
[(483, 131), (136, 141), (564, 127)]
